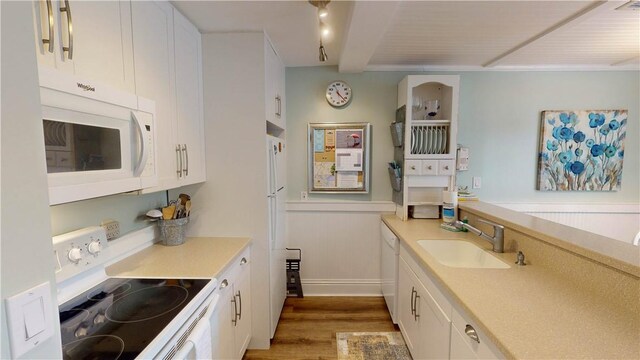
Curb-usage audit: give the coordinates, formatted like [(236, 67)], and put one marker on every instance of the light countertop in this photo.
[(199, 257), (530, 312)]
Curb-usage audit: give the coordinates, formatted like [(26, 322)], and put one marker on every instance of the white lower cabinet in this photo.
[(431, 326), (423, 324), (231, 321)]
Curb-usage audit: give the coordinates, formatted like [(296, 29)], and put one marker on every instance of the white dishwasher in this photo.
[(389, 253)]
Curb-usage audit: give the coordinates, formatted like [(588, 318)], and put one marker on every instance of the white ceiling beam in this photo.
[(599, 7), (367, 24)]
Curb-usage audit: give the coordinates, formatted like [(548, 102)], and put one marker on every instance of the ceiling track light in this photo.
[(323, 54), (324, 29)]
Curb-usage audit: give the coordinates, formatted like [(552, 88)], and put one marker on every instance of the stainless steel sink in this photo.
[(461, 254)]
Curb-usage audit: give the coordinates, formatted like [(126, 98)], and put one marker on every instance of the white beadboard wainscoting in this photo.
[(340, 242), (617, 221)]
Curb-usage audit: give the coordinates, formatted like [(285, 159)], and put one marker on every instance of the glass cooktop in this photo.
[(118, 318)]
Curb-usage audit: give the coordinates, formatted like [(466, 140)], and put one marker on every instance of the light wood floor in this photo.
[(308, 326)]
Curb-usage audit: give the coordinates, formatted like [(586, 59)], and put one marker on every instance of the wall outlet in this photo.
[(304, 196), (111, 227), (476, 182)]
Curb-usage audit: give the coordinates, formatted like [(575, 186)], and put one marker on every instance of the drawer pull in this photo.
[(224, 284), (243, 261), (471, 332)]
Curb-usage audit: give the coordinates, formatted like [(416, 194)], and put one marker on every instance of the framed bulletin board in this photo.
[(339, 158)]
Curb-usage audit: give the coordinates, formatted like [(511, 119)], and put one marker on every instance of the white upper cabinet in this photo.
[(154, 65), (274, 87), (168, 67), (189, 109), (91, 39)]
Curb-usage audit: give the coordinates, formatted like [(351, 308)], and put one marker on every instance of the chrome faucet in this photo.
[(497, 240)]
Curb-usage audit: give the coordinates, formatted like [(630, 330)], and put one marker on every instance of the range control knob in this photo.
[(75, 255), (99, 319), (94, 247), (81, 331)]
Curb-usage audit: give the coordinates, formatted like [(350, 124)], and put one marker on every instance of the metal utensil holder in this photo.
[(397, 133), (396, 182), (173, 232)]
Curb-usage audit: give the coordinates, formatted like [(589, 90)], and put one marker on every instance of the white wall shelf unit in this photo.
[(430, 106)]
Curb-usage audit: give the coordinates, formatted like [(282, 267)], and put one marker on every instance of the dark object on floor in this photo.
[(294, 286)]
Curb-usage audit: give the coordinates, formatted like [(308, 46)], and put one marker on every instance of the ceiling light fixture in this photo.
[(323, 54), (324, 29)]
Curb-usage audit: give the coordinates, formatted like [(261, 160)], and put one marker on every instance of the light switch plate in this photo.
[(476, 182), (30, 320)]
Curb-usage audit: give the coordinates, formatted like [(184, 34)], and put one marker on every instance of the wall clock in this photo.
[(338, 93)]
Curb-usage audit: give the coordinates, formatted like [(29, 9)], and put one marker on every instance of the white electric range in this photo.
[(104, 317)]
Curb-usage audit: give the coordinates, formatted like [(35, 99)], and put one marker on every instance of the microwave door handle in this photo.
[(143, 147)]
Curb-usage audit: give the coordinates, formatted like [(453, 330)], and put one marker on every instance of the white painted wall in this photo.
[(616, 221), (27, 251), (340, 244)]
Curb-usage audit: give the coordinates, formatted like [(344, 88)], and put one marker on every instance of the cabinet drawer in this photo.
[(412, 167), (429, 167), (483, 349), (446, 167)]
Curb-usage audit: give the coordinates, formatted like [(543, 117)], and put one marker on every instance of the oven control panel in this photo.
[(79, 251)]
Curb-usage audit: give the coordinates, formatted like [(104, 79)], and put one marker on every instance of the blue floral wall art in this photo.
[(581, 150)]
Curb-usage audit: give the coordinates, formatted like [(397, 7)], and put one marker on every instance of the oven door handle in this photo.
[(190, 343), (183, 353), (144, 150)]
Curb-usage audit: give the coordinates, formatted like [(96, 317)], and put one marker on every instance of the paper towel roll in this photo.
[(450, 197)]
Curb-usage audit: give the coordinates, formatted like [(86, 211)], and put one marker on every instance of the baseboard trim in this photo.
[(342, 287)]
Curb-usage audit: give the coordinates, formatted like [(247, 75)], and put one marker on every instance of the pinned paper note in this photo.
[(347, 179), (318, 140), (349, 159)]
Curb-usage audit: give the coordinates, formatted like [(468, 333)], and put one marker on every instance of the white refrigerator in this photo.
[(276, 195)]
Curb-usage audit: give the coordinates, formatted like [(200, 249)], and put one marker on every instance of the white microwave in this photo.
[(99, 140)]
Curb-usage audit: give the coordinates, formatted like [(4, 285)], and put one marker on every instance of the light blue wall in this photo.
[(129, 210), (499, 120)]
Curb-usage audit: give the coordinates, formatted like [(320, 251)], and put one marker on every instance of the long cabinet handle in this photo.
[(185, 152), (49, 41), (67, 9), (234, 321), (278, 106), (412, 303), (239, 305), (178, 161), (415, 307)]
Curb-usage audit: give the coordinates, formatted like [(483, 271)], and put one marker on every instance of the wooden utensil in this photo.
[(168, 212), (187, 208)]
